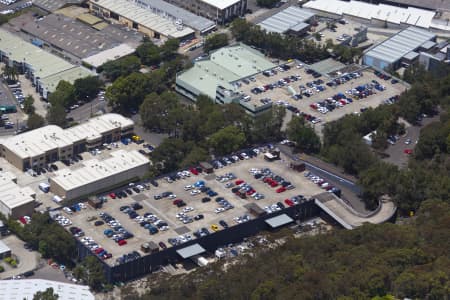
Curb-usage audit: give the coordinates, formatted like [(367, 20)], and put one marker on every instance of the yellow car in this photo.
[(214, 227)]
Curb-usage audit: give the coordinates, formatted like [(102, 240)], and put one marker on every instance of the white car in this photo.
[(219, 210), (188, 187), (188, 209), (194, 192), (172, 196)]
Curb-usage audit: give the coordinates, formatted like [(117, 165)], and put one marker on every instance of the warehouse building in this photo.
[(96, 175), (177, 14), (141, 19), (293, 20), (15, 201), (404, 47), (220, 11), (27, 289), (40, 147), (428, 4), (381, 15), (217, 75), (5, 251), (38, 64)]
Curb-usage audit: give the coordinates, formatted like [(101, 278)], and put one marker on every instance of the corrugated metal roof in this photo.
[(400, 44), (279, 221), (160, 7), (190, 251), (286, 19)]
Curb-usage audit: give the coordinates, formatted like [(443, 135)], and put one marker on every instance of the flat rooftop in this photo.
[(27, 288), (223, 67), (117, 52), (399, 45), (12, 195), (39, 141), (71, 35), (52, 5), (191, 20), (221, 4), (393, 14), (291, 18), (144, 17), (166, 211), (95, 170)]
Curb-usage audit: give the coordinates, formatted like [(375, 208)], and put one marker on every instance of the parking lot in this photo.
[(13, 121), (196, 214), (318, 98)]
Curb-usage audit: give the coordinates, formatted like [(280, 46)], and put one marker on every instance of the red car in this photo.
[(193, 171), (289, 202), (121, 242), (251, 192), (408, 151), (22, 220), (107, 255), (175, 202), (273, 183), (239, 181), (112, 195), (280, 189), (98, 250)]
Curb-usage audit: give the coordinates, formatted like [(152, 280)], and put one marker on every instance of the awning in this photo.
[(191, 250), (279, 221)]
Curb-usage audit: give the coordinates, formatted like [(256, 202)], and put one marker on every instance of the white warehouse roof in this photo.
[(392, 14), (145, 17), (95, 170), (289, 18), (221, 4), (26, 288), (117, 52), (12, 195), (399, 45), (37, 142)]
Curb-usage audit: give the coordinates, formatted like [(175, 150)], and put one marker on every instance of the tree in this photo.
[(48, 294), (11, 73), (56, 115), (87, 88), (64, 95), (227, 140), (121, 67), (35, 121), (155, 110), (127, 93), (303, 135), (91, 271), (149, 53), (28, 106), (169, 49), (215, 41)]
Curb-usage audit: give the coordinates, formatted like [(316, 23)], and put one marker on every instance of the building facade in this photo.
[(15, 201), (40, 147)]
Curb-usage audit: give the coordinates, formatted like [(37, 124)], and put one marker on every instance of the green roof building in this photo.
[(218, 76)]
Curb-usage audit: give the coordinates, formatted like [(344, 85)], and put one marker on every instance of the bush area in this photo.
[(46, 236), (371, 261)]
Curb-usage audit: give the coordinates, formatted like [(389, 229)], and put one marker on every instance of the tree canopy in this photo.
[(215, 41), (48, 294)]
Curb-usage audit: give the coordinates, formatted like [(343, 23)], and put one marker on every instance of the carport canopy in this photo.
[(190, 251), (278, 221)]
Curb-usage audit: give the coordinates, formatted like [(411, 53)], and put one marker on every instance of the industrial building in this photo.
[(381, 15), (96, 175), (15, 201), (141, 19), (96, 60), (293, 20), (216, 76), (41, 67), (37, 148), (220, 11), (403, 47), (428, 4), (74, 39), (177, 14), (27, 288)]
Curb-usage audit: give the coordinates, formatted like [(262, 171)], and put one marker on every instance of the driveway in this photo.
[(396, 153), (28, 260)]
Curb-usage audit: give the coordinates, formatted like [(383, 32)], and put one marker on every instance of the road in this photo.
[(350, 190), (86, 111)]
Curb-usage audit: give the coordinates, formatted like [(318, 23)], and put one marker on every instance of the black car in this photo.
[(128, 191), (162, 245), (154, 183), (206, 199), (157, 197), (99, 223), (223, 224), (198, 217), (136, 206), (280, 205), (136, 190)]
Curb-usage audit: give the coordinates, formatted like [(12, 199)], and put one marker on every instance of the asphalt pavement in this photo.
[(87, 110)]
